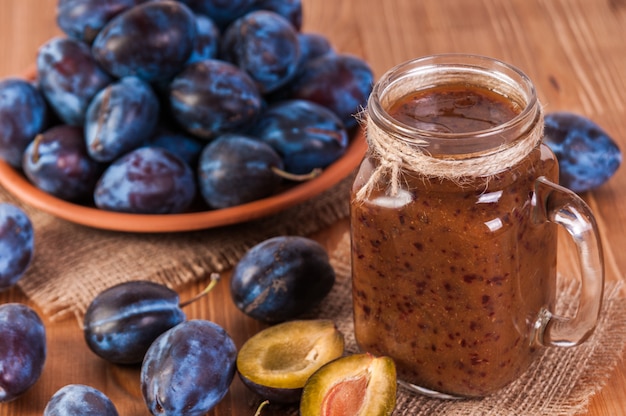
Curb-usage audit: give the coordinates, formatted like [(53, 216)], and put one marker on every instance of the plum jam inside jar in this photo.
[(454, 216)]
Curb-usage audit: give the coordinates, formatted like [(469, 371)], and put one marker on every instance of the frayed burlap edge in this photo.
[(73, 263), (560, 383)]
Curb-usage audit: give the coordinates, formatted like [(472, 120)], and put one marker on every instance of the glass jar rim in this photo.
[(477, 70)]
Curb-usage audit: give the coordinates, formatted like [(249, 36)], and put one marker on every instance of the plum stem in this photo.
[(297, 177), (215, 277), (261, 406), (37, 141), (103, 114)]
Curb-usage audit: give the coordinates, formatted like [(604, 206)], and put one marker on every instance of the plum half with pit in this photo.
[(277, 361), (281, 278), (355, 385)]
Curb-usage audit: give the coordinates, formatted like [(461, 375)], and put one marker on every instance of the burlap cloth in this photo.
[(73, 263)]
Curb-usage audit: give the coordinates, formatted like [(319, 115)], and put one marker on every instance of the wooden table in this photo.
[(574, 50)]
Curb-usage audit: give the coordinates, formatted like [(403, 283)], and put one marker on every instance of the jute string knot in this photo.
[(396, 155)]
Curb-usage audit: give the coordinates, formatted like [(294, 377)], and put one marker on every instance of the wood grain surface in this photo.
[(574, 51)]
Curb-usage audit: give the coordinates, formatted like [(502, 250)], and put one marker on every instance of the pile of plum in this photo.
[(163, 106), (187, 366)]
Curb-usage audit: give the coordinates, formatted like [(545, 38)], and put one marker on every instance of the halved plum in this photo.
[(356, 385), (277, 362)]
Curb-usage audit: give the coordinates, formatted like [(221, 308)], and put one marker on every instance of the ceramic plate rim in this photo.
[(17, 184)]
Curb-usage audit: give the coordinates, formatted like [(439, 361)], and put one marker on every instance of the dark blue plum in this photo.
[(79, 400), (265, 45), (212, 97), (289, 9), (340, 82), (120, 118), (235, 169), (222, 12), (69, 77), (83, 19), (207, 42), (188, 369), (183, 145), (312, 46), (23, 115), (17, 245), (57, 162), (306, 135), (147, 180), (152, 41), (587, 155), (22, 349), (281, 278), (122, 321)]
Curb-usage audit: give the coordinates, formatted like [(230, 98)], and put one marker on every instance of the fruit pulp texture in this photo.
[(449, 280)]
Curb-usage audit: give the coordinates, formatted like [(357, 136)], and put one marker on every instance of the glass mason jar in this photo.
[(454, 215)]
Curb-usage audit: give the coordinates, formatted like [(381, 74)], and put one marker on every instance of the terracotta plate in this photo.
[(17, 184)]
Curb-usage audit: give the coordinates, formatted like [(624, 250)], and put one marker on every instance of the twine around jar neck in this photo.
[(396, 155)]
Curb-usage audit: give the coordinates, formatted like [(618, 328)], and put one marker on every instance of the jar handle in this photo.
[(562, 206)]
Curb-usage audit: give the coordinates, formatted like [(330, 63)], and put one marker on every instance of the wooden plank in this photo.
[(574, 50)]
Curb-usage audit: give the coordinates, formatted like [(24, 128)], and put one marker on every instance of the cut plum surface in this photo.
[(277, 362), (356, 385)]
